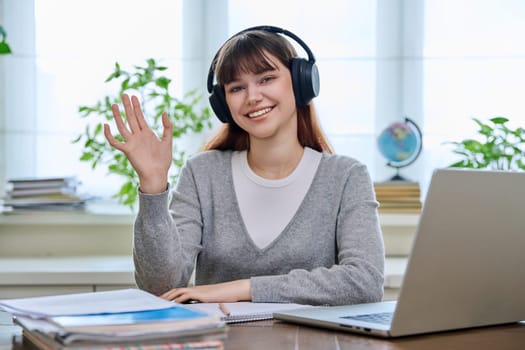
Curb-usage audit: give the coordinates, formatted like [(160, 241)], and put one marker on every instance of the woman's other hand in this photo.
[(212, 293), (150, 156)]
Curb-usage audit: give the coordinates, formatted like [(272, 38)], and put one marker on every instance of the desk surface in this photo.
[(279, 335)]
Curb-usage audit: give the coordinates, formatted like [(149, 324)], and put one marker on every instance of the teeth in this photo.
[(259, 113)]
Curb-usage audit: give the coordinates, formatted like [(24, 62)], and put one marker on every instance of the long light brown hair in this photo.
[(248, 53)]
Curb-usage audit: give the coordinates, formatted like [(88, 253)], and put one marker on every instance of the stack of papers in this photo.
[(129, 317), (44, 193)]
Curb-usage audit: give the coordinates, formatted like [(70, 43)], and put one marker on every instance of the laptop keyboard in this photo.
[(381, 318)]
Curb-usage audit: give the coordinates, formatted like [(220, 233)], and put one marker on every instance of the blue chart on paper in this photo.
[(161, 315)]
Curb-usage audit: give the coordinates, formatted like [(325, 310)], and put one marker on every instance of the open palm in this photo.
[(150, 156)]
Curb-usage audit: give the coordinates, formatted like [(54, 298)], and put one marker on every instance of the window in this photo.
[(75, 50), (438, 62), (474, 66)]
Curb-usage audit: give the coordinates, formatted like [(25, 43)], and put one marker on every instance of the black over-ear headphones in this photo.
[(305, 77)]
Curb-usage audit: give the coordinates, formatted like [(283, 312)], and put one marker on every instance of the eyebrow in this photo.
[(255, 73)]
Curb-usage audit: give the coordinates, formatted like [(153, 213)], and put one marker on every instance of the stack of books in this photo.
[(398, 196), (120, 319), (47, 193)]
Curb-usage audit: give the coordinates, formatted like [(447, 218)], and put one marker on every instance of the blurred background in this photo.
[(438, 62)]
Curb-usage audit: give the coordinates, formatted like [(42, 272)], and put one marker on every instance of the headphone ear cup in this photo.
[(305, 80), (219, 105)]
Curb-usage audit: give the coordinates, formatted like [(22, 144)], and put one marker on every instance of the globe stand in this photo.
[(397, 177)]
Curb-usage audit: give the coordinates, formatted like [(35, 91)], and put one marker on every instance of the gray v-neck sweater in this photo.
[(330, 253)]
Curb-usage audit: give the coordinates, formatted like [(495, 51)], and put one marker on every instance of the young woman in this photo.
[(266, 213)]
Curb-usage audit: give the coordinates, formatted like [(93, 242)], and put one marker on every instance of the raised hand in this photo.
[(150, 156)]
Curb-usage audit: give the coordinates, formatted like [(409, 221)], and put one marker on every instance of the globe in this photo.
[(400, 143)]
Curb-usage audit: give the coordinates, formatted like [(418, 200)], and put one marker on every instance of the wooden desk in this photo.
[(278, 335)]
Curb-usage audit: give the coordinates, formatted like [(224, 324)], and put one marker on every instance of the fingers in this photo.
[(135, 116), (136, 130), (139, 116), (112, 141), (168, 129), (172, 294), (122, 129), (167, 295), (179, 295), (130, 112)]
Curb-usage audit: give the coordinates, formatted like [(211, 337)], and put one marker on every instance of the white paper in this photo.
[(37, 324), (85, 303), (244, 311)]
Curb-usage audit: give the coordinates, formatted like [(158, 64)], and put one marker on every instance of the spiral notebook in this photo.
[(244, 311)]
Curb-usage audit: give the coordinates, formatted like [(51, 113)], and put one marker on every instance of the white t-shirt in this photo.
[(267, 206)]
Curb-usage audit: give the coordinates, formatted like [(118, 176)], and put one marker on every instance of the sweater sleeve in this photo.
[(164, 253), (357, 276)]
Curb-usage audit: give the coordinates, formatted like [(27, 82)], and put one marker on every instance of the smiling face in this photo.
[(253, 69), (263, 103)]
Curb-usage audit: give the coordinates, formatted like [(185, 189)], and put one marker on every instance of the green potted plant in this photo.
[(499, 147), (147, 82)]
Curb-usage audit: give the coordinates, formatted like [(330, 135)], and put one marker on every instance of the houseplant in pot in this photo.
[(153, 89), (498, 147)]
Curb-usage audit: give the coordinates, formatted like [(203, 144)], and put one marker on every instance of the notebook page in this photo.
[(245, 311), (85, 303)]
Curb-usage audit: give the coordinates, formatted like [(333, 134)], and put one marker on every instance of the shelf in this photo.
[(29, 276), (77, 270), (111, 214), (107, 229), (392, 219), (99, 213)]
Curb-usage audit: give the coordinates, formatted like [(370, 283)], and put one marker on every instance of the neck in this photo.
[(274, 161)]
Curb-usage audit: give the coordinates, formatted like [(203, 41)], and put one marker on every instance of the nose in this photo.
[(254, 94)]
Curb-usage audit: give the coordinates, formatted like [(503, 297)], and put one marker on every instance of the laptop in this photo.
[(465, 268)]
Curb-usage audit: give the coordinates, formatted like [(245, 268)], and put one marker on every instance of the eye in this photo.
[(234, 88), (267, 79)]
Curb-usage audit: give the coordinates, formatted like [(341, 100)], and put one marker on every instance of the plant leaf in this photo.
[(147, 82), (499, 120)]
